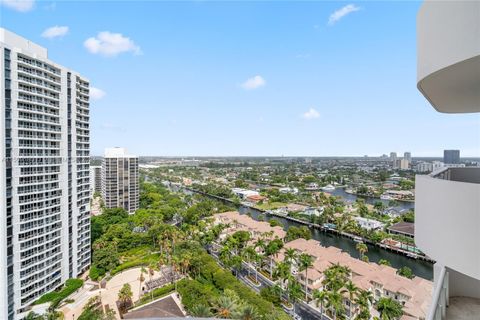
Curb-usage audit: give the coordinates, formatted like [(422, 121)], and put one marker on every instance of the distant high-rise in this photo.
[(96, 179), (45, 205), (393, 159), (120, 180), (407, 156), (451, 156)]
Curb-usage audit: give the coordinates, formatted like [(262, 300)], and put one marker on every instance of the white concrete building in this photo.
[(95, 179), (447, 207), (244, 193), (120, 180), (45, 210), (368, 224), (424, 167), (437, 165)]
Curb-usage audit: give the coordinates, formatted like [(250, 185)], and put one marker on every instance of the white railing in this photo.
[(438, 307)]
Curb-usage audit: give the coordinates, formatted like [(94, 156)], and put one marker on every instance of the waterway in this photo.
[(420, 268), (348, 197)]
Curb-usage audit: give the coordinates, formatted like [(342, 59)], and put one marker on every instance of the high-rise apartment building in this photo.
[(447, 202), (451, 156), (393, 159), (95, 179), (120, 180), (407, 156), (44, 175), (404, 164)]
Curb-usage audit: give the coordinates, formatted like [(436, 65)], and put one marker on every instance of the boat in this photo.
[(357, 239), (328, 187), (386, 197)]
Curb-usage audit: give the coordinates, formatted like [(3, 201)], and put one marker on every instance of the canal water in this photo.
[(420, 268), (347, 197)]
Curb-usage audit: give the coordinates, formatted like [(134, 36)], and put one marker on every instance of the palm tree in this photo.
[(247, 312), (282, 271), (364, 300), (290, 255), (389, 309), (335, 303), (260, 244), (320, 298), (142, 278), (125, 297), (201, 311), (352, 289), (294, 292), (362, 249), (305, 262), (272, 250), (225, 307), (249, 255), (185, 262)]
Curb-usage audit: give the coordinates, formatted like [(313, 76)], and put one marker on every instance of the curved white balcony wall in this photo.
[(448, 44), (447, 220)]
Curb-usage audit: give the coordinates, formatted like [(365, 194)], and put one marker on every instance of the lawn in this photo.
[(270, 205)]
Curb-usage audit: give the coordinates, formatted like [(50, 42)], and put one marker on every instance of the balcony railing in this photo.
[(438, 307)]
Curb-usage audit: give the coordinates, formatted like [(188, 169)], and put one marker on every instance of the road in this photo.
[(305, 311)]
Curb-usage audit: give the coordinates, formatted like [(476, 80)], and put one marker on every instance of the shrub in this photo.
[(156, 293), (55, 297), (95, 273)]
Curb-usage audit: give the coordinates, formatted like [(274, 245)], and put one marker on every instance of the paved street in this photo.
[(302, 309)]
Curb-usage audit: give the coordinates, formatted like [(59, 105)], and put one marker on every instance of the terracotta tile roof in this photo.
[(417, 290), (244, 222)]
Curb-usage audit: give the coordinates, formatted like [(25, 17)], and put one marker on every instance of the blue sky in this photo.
[(247, 78)]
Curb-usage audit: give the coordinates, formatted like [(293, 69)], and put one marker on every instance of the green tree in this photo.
[(335, 303), (362, 249), (320, 297), (125, 298), (294, 292), (384, 262), (305, 262), (389, 309), (246, 312), (225, 307), (201, 311), (405, 272)]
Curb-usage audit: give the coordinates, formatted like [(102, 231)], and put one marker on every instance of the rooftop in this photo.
[(364, 274), (117, 152), (403, 227), (164, 308)]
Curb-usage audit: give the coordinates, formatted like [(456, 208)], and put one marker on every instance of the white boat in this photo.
[(386, 197), (328, 187)]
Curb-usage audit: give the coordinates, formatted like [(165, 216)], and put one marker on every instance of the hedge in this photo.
[(55, 297), (156, 293), (153, 258)]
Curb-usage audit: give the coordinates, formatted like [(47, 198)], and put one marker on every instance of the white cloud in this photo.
[(254, 83), (96, 94), (54, 32), (342, 12), (18, 5), (311, 114), (111, 44)]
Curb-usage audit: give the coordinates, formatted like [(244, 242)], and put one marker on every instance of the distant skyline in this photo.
[(207, 78)]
